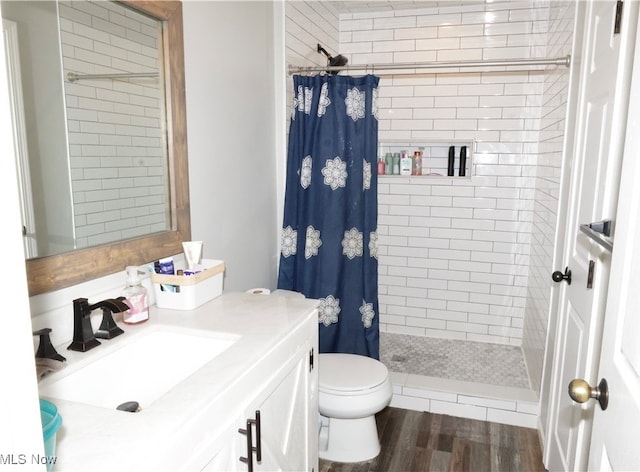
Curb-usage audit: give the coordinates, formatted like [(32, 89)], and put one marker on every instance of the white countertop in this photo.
[(169, 433)]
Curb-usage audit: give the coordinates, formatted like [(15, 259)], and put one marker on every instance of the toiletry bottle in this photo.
[(452, 158), (136, 298), (417, 163), (388, 163), (406, 163), (396, 163), (463, 161), (166, 266), (381, 166)]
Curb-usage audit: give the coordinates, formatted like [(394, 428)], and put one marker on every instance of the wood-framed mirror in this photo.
[(55, 272)]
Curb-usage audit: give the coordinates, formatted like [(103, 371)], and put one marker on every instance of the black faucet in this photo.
[(83, 335), (45, 348)]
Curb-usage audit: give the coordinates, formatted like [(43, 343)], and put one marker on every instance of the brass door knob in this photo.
[(580, 391)]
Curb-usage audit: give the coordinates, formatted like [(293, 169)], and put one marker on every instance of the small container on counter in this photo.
[(381, 166), (194, 290), (136, 298)]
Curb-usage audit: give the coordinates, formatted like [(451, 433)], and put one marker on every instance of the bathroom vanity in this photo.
[(240, 368)]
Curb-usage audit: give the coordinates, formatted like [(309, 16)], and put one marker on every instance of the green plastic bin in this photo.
[(51, 422)]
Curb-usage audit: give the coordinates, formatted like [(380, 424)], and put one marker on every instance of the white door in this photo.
[(594, 181), (614, 442)]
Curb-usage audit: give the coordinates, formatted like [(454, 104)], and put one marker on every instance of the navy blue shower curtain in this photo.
[(329, 235)]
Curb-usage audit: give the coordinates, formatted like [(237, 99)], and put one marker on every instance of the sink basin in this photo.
[(142, 370)]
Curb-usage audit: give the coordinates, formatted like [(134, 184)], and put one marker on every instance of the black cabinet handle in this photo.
[(250, 447), (249, 459), (258, 447)]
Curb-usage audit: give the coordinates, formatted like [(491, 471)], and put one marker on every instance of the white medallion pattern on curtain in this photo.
[(324, 99), (373, 244), (303, 101), (305, 172), (328, 310), (367, 312), (366, 175), (288, 241), (355, 103), (335, 173), (352, 244), (313, 242)]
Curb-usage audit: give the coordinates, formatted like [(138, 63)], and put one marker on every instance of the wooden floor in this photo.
[(415, 441)]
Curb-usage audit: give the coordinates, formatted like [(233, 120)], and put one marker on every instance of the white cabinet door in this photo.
[(285, 425), (284, 410), (287, 440)]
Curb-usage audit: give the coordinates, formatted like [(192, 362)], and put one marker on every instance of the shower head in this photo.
[(337, 61)]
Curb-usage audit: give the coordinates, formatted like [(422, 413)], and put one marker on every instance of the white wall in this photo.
[(231, 136)]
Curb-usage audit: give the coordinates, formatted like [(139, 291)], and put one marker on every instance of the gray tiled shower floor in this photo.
[(470, 361)]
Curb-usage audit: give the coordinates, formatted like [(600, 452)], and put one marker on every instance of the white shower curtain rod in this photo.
[(73, 77), (373, 68)]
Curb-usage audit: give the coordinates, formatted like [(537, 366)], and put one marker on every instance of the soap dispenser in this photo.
[(136, 298)]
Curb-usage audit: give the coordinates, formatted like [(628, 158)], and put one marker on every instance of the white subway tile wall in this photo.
[(308, 24), (454, 253), (116, 134), (552, 126)]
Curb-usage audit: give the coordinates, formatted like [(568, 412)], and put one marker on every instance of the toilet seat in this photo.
[(348, 374)]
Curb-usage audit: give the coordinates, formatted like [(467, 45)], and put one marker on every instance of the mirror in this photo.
[(62, 270)]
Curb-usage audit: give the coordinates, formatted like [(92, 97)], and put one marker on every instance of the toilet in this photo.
[(351, 390)]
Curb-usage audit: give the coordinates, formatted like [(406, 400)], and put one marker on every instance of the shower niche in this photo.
[(439, 159)]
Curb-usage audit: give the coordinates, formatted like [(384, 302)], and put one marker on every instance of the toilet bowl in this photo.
[(351, 390)]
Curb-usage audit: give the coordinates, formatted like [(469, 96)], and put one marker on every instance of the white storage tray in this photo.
[(191, 291)]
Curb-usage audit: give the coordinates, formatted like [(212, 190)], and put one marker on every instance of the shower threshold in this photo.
[(460, 378)]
